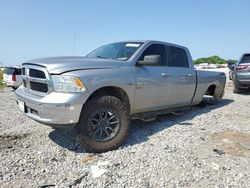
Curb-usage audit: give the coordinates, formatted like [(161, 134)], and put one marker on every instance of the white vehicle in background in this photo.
[(203, 66), (213, 66), (207, 66), (12, 77)]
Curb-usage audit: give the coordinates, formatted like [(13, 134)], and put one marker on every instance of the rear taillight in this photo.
[(241, 67), (13, 77)]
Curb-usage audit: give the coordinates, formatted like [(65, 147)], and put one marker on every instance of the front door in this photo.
[(151, 81)]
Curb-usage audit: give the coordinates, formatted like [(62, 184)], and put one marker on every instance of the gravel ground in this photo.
[(205, 147)]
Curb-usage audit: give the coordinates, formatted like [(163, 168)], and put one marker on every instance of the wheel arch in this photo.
[(113, 91), (211, 90), (216, 91)]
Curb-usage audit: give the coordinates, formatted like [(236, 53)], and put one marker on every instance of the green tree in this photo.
[(211, 60)]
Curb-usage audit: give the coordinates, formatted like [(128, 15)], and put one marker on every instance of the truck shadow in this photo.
[(66, 139), (140, 131)]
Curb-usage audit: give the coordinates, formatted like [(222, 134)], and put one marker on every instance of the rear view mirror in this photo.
[(150, 60)]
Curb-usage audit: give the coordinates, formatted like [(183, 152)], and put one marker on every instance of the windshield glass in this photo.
[(117, 51), (245, 59)]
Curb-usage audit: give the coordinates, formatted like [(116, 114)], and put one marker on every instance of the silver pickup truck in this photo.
[(99, 94)]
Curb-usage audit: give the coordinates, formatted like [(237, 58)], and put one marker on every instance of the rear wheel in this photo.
[(236, 89), (103, 125)]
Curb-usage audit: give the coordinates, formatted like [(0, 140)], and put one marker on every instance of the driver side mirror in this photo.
[(150, 60)]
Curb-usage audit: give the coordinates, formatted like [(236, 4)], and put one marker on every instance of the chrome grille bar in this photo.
[(36, 79)]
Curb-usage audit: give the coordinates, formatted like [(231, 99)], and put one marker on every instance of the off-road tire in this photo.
[(92, 145)]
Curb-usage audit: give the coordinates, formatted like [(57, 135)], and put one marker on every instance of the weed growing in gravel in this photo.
[(1, 78)]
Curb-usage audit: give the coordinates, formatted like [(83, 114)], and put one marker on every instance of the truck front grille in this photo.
[(40, 87), (36, 73), (36, 79)]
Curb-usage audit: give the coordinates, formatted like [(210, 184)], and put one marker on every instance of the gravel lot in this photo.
[(206, 147)]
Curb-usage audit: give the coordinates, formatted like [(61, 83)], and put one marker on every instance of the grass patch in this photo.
[(1, 78), (2, 86)]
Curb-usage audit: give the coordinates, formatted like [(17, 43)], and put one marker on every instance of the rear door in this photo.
[(182, 79), (151, 84)]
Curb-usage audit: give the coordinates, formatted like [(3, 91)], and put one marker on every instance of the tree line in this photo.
[(214, 60)]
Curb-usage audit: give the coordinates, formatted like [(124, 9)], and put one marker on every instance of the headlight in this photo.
[(67, 84)]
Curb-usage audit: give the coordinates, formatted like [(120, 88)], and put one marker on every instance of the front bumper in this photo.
[(54, 109)]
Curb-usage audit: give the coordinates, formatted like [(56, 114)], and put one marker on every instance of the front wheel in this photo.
[(103, 125)]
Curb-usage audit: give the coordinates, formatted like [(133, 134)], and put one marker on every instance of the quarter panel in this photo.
[(206, 79)]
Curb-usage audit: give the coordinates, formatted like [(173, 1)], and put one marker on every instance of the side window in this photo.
[(17, 72), (156, 49), (178, 57)]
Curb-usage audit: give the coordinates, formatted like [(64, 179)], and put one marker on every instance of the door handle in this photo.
[(163, 74), (189, 75)]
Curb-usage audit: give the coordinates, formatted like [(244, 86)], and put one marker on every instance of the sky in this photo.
[(44, 28)]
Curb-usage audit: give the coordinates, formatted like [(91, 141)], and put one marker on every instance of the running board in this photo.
[(151, 116), (145, 117)]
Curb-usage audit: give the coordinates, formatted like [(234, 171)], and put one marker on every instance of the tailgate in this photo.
[(7, 78)]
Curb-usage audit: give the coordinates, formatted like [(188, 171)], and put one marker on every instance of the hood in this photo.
[(59, 65)]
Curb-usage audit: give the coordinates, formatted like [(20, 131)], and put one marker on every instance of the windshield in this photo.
[(245, 59), (117, 51)]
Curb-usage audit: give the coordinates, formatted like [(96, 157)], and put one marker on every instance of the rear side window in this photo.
[(17, 72), (12, 71), (178, 57), (9, 71), (245, 59), (156, 49)]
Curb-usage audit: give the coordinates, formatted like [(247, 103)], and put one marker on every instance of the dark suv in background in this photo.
[(241, 73)]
